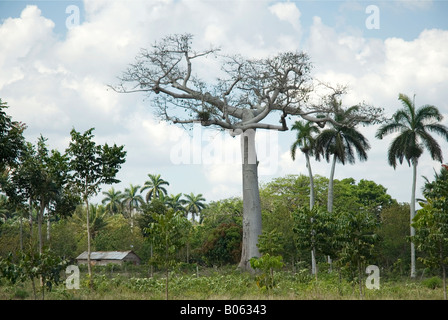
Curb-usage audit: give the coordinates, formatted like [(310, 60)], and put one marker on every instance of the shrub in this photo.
[(432, 283), (223, 245)]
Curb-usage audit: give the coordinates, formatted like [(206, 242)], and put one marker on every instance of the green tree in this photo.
[(413, 127), (431, 225), (117, 235), (175, 202), (270, 245), (393, 250), (39, 177), (113, 201), (373, 196), (92, 165), (132, 201), (431, 235), (165, 234), (357, 236), (12, 141), (341, 142), (32, 265), (98, 218), (155, 186), (314, 230), (225, 210), (305, 141), (222, 244), (194, 204)]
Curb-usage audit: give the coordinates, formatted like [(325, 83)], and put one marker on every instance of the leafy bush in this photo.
[(432, 283), (223, 245)]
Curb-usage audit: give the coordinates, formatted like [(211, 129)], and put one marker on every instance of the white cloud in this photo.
[(287, 11), (54, 84)]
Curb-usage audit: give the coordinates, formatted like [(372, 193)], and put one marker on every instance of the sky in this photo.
[(57, 59)]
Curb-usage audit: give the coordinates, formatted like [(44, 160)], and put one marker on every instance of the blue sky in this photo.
[(55, 78), (404, 19)]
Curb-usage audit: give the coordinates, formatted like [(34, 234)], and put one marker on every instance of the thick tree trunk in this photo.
[(251, 201), (412, 215)]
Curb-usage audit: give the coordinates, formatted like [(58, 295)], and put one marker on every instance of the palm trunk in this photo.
[(313, 250), (330, 196), (310, 173), (251, 201), (412, 215), (330, 186)]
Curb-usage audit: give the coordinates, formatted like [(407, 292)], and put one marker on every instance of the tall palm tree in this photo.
[(305, 141), (413, 127), (341, 142), (132, 200), (194, 204), (155, 186), (112, 201)]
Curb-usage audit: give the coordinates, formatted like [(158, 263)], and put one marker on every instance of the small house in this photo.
[(102, 258)]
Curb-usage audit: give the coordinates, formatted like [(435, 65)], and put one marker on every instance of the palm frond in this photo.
[(431, 145), (389, 128)]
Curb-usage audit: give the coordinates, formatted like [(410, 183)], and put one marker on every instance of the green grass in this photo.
[(225, 284)]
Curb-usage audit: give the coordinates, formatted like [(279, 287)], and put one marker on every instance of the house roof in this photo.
[(105, 255)]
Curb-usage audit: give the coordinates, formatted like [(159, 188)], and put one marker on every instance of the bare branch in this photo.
[(250, 90)]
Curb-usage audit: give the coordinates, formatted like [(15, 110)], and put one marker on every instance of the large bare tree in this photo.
[(245, 95)]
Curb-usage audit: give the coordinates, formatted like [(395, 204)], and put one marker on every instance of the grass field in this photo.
[(225, 284)]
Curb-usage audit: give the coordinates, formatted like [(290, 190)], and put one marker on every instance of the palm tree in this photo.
[(175, 202), (112, 201), (305, 141), (132, 200), (4, 211), (413, 127), (194, 204), (155, 186), (98, 218), (340, 141)]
